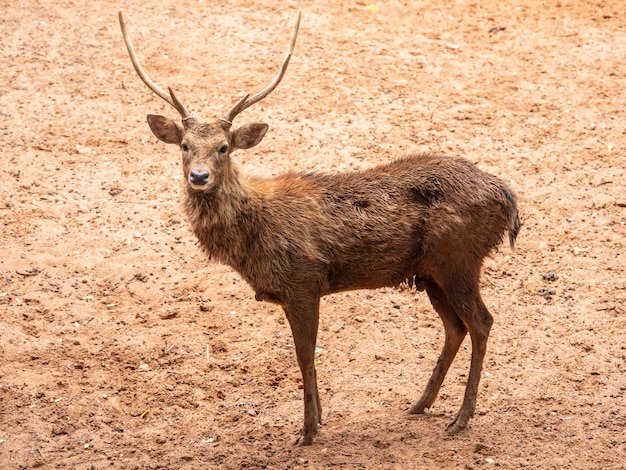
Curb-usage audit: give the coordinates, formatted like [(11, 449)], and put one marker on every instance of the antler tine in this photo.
[(184, 114), (169, 97), (247, 102)]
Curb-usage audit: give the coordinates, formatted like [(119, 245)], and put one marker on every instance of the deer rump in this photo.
[(422, 217)]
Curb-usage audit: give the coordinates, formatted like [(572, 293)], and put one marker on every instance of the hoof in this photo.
[(305, 437), (303, 441), (455, 426), (417, 409)]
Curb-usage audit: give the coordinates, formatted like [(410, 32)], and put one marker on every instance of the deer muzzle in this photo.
[(198, 179)]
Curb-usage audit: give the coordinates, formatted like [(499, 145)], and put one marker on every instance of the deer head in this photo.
[(206, 147)]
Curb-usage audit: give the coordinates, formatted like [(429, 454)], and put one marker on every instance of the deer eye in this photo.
[(185, 147), (224, 149)]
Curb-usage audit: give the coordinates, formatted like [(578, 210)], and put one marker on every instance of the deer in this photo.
[(427, 221)]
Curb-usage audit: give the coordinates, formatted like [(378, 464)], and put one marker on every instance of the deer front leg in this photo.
[(303, 318)]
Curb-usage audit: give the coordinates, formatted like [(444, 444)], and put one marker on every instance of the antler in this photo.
[(248, 100), (169, 97)]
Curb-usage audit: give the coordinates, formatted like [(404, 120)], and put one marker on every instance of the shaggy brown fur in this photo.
[(362, 230), (425, 219)]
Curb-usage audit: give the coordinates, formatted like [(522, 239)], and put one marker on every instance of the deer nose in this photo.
[(199, 178)]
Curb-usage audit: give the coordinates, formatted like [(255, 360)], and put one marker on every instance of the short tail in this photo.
[(514, 222), (514, 228)]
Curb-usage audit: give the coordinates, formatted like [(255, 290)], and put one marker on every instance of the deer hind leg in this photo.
[(478, 321), (303, 319), (455, 333)]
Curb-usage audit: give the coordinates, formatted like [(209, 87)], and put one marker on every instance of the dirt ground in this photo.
[(122, 346)]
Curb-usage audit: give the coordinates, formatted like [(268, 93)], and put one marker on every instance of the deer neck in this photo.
[(221, 217)]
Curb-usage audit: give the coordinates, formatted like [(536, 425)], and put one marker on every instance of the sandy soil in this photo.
[(122, 346)]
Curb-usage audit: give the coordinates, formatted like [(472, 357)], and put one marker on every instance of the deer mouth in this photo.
[(197, 187)]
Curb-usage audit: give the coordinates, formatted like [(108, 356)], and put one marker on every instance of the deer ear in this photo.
[(165, 129), (249, 135)]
